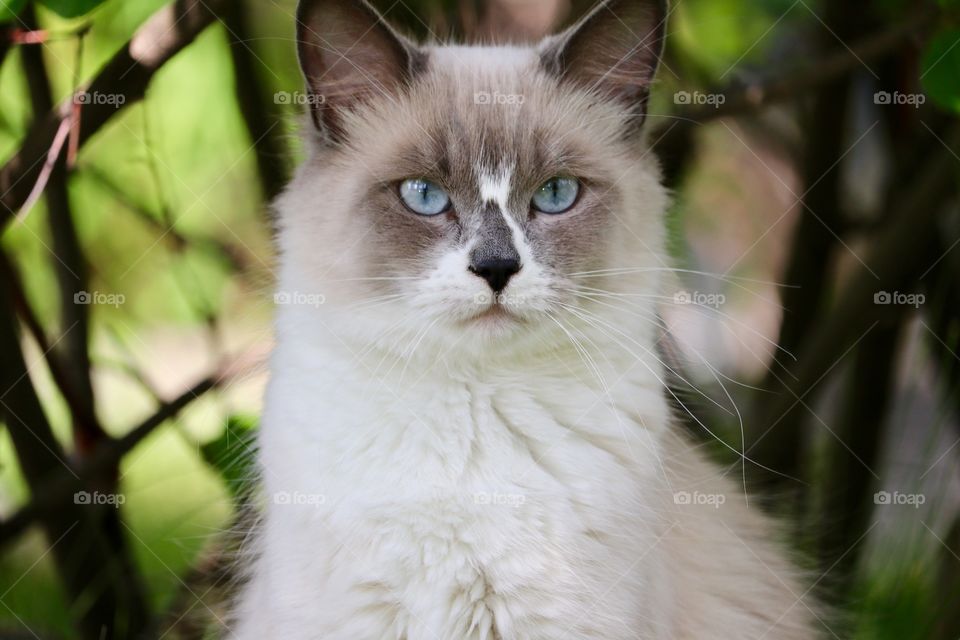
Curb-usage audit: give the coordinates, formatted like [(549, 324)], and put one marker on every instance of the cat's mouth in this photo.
[(496, 314)]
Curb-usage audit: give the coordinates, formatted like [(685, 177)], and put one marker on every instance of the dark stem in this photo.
[(69, 264), (848, 486), (94, 576), (266, 135), (812, 249)]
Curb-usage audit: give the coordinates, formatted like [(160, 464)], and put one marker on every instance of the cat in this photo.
[(466, 434)]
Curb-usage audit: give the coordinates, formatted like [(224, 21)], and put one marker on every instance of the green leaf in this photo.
[(71, 8), (232, 454), (940, 73), (9, 9)]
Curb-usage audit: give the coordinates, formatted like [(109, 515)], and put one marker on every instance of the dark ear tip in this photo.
[(348, 52), (662, 6), (606, 39), (305, 8)]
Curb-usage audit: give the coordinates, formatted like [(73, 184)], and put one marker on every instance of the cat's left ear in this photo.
[(613, 51), (349, 55)]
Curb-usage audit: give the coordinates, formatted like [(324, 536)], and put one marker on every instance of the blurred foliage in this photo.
[(941, 70), (232, 455)]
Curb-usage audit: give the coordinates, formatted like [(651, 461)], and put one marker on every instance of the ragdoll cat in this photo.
[(466, 432)]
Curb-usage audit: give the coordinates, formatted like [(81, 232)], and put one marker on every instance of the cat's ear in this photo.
[(614, 51), (349, 54)]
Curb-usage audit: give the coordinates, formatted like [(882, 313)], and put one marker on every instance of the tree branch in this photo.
[(59, 489), (265, 135), (106, 605), (69, 266)]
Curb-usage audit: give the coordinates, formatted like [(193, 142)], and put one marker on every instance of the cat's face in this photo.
[(462, 194)]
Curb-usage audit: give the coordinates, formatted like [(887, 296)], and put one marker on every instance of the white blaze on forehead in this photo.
[(495, 187)]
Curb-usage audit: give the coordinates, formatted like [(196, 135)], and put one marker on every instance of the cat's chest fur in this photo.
[(461, 506)]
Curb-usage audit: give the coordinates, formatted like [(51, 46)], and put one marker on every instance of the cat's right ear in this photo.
[(349, 54), (613, 52)]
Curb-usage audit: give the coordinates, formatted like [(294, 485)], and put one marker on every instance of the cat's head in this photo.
[(473, 196)]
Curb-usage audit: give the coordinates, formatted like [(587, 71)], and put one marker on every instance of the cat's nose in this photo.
[(496, 271)]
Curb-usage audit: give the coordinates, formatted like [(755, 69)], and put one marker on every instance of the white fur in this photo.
[(439, 485)]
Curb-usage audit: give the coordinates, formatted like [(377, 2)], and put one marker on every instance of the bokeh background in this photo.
[(813, 148)]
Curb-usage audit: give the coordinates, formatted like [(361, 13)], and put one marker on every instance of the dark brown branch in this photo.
[(848, 486), (6, 41), (262, 124), (943, 314), (815, 239), (29, 318), (127, 74), (948, 620), (72, 345), (105, 604), (58, 489), (69, 266)]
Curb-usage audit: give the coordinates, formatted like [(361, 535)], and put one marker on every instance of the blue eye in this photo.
[(424, 197), (556, 195)]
